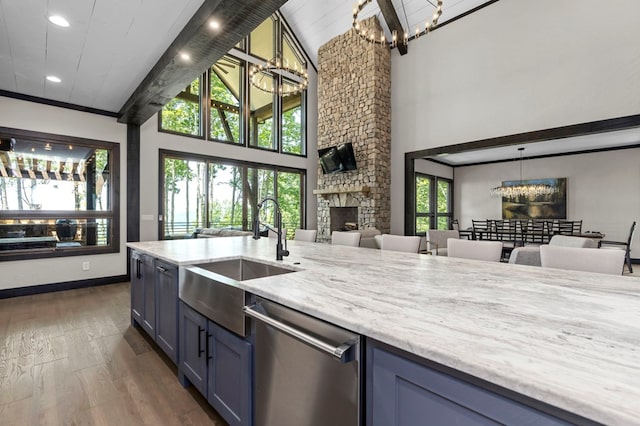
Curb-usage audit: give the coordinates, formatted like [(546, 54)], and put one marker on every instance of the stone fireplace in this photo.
[(354, 105)]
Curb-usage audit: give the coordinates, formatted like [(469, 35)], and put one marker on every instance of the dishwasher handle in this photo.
[(343, 353)]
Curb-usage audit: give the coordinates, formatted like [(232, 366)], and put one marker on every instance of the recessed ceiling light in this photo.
[(214, 24), (185, 56), (59, 21), (53, 79)]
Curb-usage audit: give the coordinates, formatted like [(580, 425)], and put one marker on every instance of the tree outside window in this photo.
[(182, 113)]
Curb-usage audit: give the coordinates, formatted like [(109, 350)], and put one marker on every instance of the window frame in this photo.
[(204, 118), (281, 31), (112, 214), (244, 167), (433, 215)]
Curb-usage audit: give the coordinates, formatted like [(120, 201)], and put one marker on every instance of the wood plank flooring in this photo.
[(72, 358)]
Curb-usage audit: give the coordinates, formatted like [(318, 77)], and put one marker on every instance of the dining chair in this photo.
[(530, 255), (305, 235), (472, 249), (481, 229), (405, 243), (536, 232), (621, 245), (582, 259), (273, 234), (437, 240), (341, 238)]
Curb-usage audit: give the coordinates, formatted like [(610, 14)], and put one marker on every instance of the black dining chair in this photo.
[(626, 246), (481, 229)]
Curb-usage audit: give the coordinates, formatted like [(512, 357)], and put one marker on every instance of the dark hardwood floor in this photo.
[(72, 358)]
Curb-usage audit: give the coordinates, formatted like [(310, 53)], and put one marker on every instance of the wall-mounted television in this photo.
[(338, 158)]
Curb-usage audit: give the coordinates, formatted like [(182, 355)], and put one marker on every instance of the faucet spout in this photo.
[(280, 252)]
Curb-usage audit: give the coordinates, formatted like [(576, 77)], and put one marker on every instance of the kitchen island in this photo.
[(567, 339)]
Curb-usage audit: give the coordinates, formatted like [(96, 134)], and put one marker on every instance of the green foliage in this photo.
[(292, 131), (423, 194), (424, 199), (289, 199), (225, 124), (181, 115)]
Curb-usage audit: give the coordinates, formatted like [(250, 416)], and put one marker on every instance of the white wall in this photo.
[(151, 141), (602, 189), (42, 118), (512, 67)]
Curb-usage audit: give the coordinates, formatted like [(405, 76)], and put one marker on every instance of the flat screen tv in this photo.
[(337, 158)]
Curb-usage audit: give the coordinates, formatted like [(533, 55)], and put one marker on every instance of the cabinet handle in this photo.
[(138, 268), (200, 350), (207, 346), (161, 269)]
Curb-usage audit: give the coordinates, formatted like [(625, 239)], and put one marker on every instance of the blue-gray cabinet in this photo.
[(402, 392), (230, 375), (218, 363), (166, 280), (193, 340), (143, 292)]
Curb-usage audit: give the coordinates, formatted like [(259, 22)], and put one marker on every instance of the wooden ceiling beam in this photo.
[(393, 22), (170, 75)]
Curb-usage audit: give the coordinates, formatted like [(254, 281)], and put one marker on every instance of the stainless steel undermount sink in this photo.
[(243, 269), (211, 289)]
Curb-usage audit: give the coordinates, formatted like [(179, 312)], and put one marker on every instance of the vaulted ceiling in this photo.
[(120, 55), (123, 57)]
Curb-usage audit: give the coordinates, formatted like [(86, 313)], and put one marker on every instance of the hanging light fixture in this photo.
[(260, 77), (523, 189), (380, 37)]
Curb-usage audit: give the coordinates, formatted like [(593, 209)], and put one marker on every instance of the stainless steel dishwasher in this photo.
[(307, 372)]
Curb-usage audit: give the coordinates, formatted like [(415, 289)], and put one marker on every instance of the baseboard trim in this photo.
[(69, 285)]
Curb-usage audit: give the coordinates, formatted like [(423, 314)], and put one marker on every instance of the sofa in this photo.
[(219, 232)]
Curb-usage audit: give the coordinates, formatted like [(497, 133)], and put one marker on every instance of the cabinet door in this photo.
[(402, 392), (193, 361), (137, 289), (230, 375), (148, 279), (167, 308)]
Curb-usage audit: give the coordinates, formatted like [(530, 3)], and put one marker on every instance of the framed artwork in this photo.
[(547, 206)]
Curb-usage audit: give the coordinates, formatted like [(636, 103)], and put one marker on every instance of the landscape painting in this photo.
[(547, 206)]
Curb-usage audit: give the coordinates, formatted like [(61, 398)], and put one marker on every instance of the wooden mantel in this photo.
[(363, 189)]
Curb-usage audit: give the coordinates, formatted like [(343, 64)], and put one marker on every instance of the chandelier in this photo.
[(380, 38), (261, 77), (528, 190)]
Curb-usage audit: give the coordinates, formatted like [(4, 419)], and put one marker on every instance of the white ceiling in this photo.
[(314, 22), (101, 57)]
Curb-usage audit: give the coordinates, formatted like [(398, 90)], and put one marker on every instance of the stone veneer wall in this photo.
[(354, 105)]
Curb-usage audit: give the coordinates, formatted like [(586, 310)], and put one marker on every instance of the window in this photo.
[(291, 124), (225, 196), (433, 203), (261, 40), (56, 196), (184, 197), (226, 91), (224, 106), (261, 132), (228, 192), (182, 113)]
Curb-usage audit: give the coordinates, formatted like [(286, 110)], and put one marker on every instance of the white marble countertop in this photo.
[(569, 339)]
